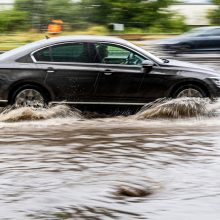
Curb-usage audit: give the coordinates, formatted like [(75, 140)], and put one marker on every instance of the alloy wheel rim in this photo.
[(29, 98), (190, 92)]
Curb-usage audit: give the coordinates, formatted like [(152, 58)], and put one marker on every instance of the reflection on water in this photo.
[(112, 168)]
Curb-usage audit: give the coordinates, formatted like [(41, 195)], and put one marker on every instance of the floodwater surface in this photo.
[(162, 163)]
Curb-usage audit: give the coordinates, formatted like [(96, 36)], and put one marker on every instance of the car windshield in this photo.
[(149, 55)]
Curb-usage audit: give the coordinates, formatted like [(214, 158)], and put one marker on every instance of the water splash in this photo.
[(178, 108), (29, 113), (159, 109)]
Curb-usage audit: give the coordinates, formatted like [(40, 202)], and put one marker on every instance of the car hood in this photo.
[(187, 66)]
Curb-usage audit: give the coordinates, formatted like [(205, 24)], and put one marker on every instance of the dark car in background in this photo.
[(97, 70), (204, 39)]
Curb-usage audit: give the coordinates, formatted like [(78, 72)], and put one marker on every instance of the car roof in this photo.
[(89, 38), (17, 53), (28, 48)]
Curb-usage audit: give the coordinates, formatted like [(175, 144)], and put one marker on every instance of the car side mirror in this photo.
[(147, 65)]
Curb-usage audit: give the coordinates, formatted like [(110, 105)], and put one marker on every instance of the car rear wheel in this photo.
[(30, 97), (190, 91)]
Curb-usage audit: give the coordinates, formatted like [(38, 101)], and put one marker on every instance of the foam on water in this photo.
[(28, 113), (178, 108), (182, 108)]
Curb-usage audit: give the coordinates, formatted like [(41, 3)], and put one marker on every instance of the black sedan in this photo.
[(97, 70), (204, 39)]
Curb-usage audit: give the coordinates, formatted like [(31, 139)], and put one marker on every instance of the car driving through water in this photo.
[(97, 70)]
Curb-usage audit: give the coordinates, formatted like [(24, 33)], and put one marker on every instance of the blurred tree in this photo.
[(132, 13), (214, 15), (142, 14), (12, 20), (96, 11), (138, 13), (40, 12)]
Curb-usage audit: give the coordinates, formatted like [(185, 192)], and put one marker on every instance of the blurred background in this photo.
[(144, 22)]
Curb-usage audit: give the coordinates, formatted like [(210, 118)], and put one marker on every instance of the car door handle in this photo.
[(108, 72), (50, 70)]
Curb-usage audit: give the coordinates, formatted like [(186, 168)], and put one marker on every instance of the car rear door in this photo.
[(70, 75)]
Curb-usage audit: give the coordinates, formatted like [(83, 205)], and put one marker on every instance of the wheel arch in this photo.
[(25, 84), (178, 85)]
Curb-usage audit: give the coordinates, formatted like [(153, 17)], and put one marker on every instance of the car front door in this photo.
[(120, 73), (157, 83), (70, 75)]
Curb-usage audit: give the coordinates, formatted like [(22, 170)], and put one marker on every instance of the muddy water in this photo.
[(55, 164)]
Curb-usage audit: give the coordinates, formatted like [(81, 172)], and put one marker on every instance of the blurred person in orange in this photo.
[(55, 27)]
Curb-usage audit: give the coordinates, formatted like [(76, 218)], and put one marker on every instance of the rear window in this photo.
[(43, 55), (75, 52)]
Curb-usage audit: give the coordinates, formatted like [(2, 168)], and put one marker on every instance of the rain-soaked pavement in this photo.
[(162, 163)]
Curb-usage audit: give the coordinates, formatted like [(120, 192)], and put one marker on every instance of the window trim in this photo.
[(33, 58), (90, 42)]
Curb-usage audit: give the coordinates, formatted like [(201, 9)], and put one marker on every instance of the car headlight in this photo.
[(216, 80)]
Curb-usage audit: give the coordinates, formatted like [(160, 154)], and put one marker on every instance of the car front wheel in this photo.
[(190, 91)]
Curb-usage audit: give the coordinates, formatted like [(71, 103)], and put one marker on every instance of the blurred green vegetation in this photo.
[(87, 17), (137, 15), (11, 20), (214, 15), (16, 39)]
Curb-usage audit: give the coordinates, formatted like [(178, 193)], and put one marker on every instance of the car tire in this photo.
[(190, 91), (30, 96)]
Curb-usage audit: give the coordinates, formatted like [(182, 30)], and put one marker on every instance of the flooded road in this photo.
[(59, 165)]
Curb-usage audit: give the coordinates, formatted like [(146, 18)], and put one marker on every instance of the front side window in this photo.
[(71, 52), (113, 54)]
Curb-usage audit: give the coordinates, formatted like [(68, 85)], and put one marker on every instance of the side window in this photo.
[(112, 54), (43, 55), (71, 52), (76, 52)]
